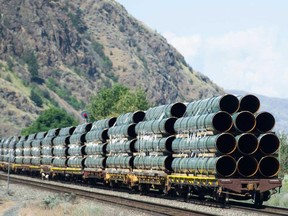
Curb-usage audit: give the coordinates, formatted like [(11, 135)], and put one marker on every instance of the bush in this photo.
[(31, 60), (64, 94), (36, 98), (99, 49), (51, 118)]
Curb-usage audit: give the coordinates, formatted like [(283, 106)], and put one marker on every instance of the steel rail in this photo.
[(144, 206)]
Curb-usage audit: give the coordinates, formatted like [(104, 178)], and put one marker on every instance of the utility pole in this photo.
[(8, 176)]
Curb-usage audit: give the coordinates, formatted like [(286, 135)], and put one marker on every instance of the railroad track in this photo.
[(144, 206), (265, 210), (152, 208)]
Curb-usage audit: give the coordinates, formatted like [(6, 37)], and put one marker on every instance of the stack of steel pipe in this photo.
[(60, 147), (4, 145), (19, 152), (226, 137), (47, 146), (76, 146), (27, 149), (155, 136), (121, 141), (96, 143), (36, 146)]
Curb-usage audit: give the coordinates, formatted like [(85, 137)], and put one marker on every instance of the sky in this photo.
[(239, 45)]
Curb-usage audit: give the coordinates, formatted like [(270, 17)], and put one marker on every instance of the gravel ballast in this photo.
[(25, 200)]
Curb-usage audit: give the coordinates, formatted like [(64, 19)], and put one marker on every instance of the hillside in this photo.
[(65, 51), (277, 106)]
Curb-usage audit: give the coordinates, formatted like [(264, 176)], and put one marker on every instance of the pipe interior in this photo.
[(169, 125), (222, 121), (138, 116), (112, 121), (226, 143), (248, 144), (226, 166), (245, 121), (265, 122), (178, 110), (104, 134), (131, 131), (229, 103), (269, 166), (269, 144), (247, 166), (250, 103), (88, 127)]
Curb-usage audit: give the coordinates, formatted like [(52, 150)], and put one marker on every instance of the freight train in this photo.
[(220, 147)]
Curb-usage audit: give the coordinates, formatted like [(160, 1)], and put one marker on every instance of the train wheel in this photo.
[(258, 199), (143, 188)]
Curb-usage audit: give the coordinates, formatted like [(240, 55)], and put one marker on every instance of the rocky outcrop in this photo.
[(76, 47)]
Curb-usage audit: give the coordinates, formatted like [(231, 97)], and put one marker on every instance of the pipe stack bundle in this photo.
[(36, 146), (27, 146), (96, 143), (9, 149), (19, 156), (60, 147), (224, 136), (155, 137), (121, 140), (76, 146), (47, 146)]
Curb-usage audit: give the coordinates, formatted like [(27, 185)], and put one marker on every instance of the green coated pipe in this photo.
[(217, 122), (228, 103)]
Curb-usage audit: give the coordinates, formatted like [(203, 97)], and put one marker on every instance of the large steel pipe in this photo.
[(217, 122), (61, 140), (76, 150), (60, 162), (53, 132), (153, 162), (269, 143), (66, 131), (95, 162), (228, 103), (247, 166), (164, 126), (265, 122), (36, 161), (104, 123), (269, 166), (75, 162), (154, 144), (249, 103), (129, 118), (224, 166), (95, 149), (77, 138), (165, 111), (121, 131), (244, 121), (121, 146), (83, 128), (46, 160), (224, 143), (100, 135), (124, 162), (247, 143)]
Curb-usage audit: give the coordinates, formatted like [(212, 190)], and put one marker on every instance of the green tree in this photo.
[(36, 98), (51, 118), (116, 100)]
